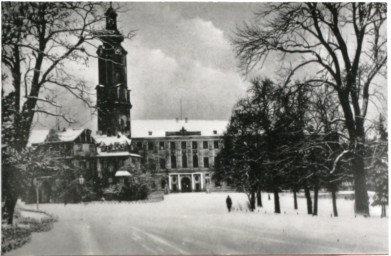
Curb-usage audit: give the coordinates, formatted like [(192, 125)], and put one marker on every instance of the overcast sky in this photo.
[(181, 51)]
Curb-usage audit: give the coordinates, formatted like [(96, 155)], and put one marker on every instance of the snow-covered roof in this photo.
[(158, 128), (122, 173), (140, 129), (40, 136), (37, 136), (112, 154), (106, 140), (69, 135)]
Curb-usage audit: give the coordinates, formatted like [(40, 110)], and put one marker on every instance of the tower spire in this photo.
[(111, 18)]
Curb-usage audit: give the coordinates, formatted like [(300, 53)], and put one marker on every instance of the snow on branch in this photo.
[(336, 161)]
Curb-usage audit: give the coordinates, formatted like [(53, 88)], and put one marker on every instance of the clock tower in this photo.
[(113, 95)]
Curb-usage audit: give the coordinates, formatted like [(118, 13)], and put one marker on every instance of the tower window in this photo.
[(216, 144), (183, 145), (194, 144), (205, 144), (172, 144), (161, 145)]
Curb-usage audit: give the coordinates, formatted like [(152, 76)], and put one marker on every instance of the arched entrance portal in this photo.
[(186, 184)]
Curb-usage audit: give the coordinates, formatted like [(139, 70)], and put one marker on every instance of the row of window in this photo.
[(184, 162), (194, 145)]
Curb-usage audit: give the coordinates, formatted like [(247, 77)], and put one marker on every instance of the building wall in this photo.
[(161, 148), (155, 150)]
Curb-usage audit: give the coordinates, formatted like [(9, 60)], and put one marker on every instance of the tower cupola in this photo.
[(111, 19)]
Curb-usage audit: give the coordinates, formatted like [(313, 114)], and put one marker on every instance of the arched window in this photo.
[(184, 161), (195, 161)]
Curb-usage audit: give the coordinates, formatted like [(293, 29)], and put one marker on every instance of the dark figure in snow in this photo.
[(229, 203)]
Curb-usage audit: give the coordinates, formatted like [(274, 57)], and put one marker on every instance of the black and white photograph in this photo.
[(194, 128)]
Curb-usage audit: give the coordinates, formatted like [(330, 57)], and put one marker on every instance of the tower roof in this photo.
[(110, 34), (111, 12)]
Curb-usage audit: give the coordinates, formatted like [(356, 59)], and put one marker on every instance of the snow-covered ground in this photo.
[(198, 223)]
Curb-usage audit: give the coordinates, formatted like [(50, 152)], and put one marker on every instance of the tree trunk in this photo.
[(334, 197), (10, 203), (309, 202), (360, 188), (355, 127), (259, 198), (252, 201), (383, 211), (316, 190), (276, 202), (294, 200)]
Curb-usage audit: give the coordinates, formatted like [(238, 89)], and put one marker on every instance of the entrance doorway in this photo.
[(186, 184)]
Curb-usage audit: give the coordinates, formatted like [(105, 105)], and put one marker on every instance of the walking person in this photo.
[(229, 203)]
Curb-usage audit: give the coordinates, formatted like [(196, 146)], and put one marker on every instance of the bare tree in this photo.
[(40, 41), (316, 34)]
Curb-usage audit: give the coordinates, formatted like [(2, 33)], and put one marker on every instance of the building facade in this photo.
[(183, 158), (99, 158)]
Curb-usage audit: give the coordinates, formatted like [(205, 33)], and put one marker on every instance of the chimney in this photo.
[(149, 133), (186, 119), (177, 119), (214, 132)]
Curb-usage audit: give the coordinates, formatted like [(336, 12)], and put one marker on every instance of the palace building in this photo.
[(182, 152)]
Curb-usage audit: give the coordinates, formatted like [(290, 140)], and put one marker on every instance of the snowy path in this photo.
[(198, 223)]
